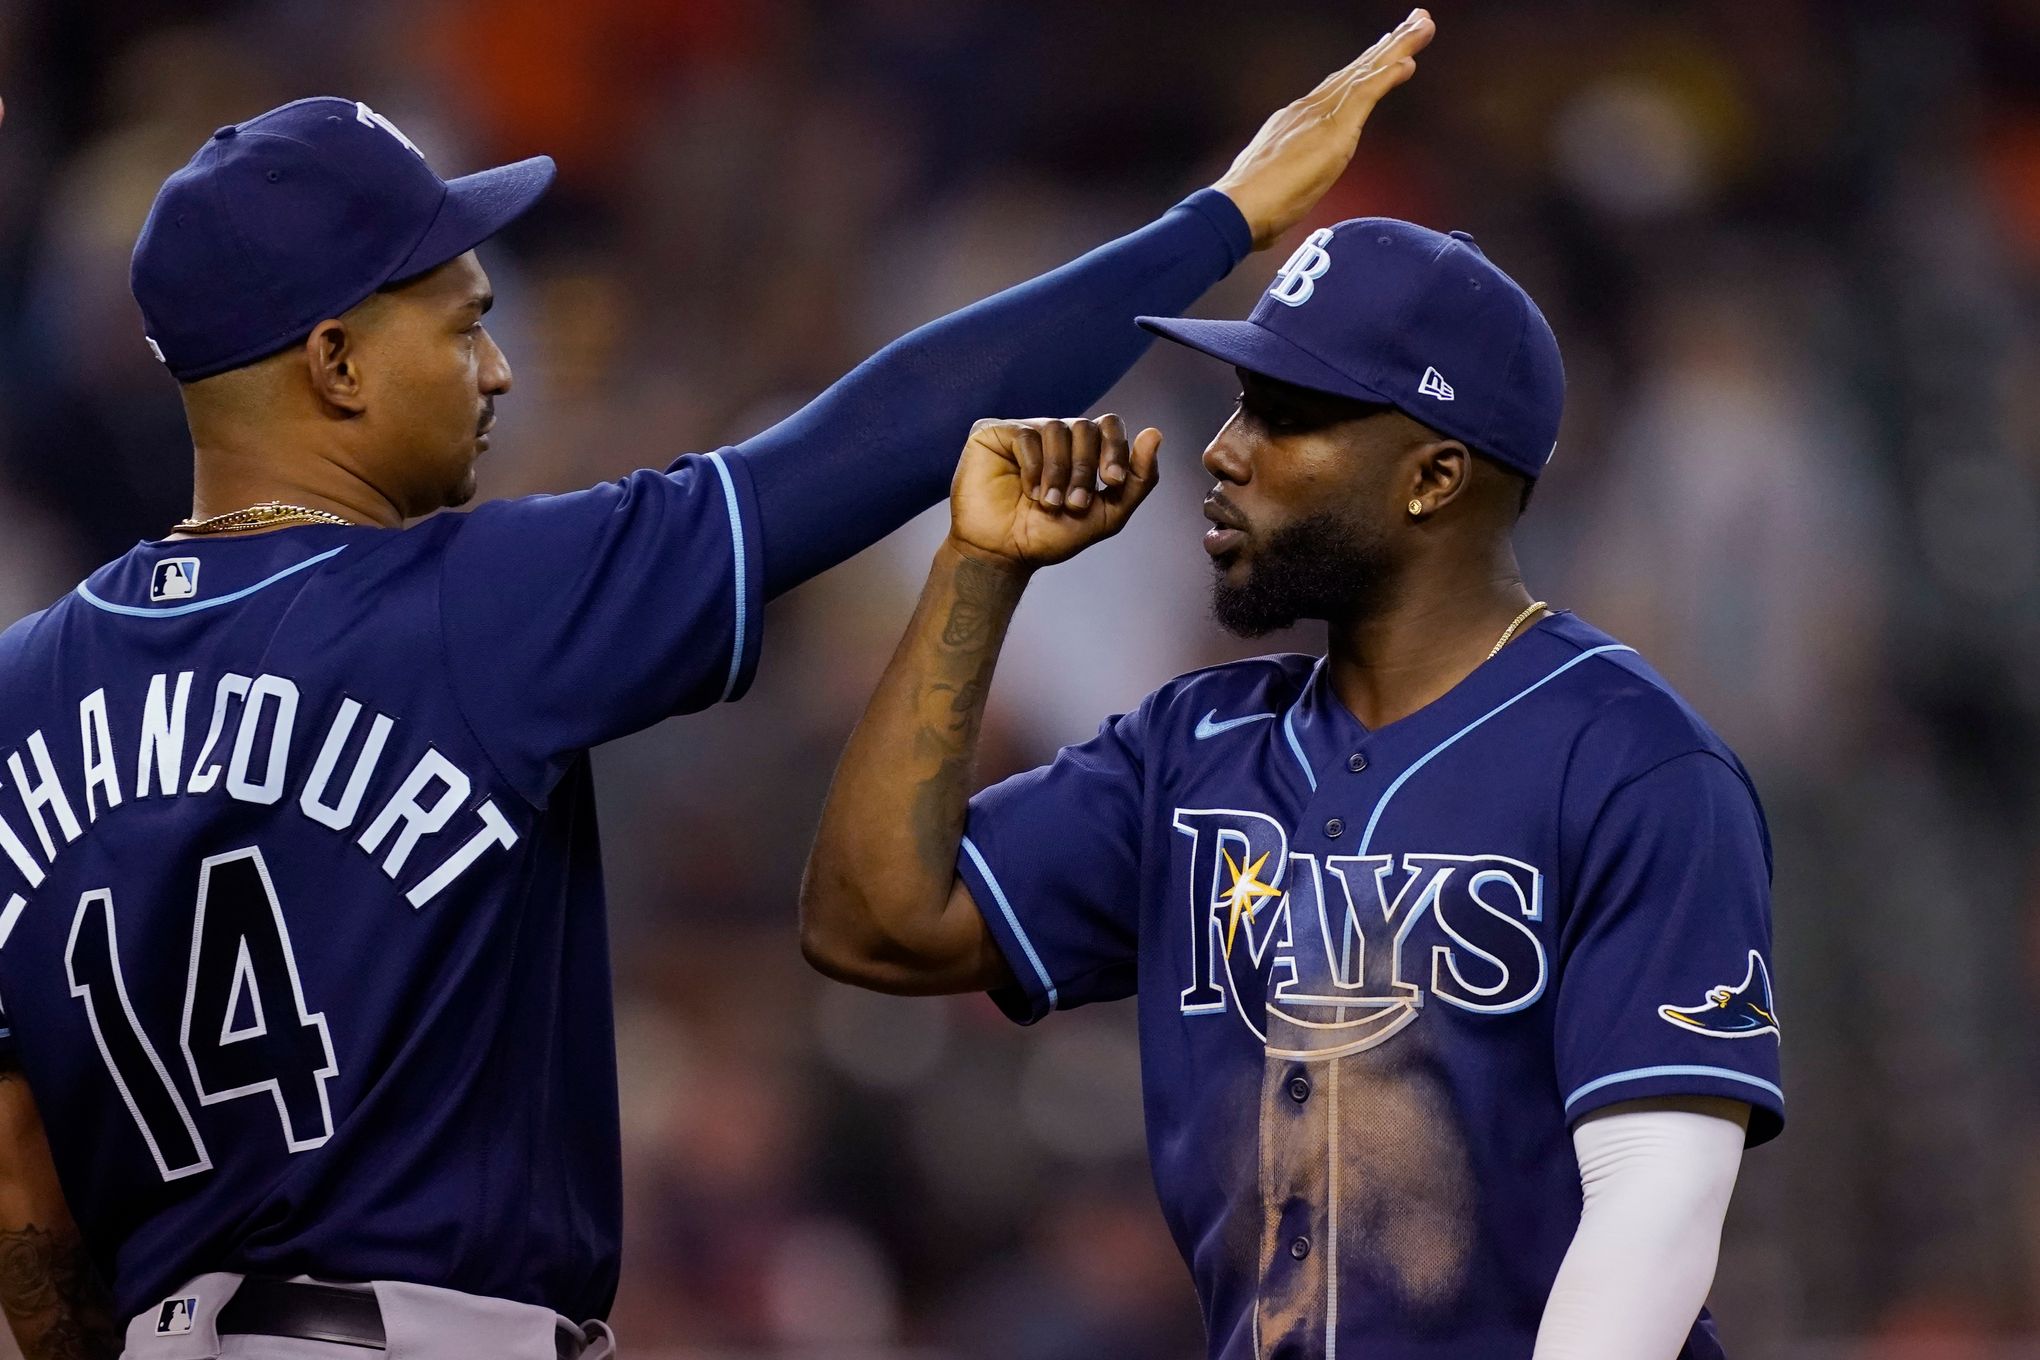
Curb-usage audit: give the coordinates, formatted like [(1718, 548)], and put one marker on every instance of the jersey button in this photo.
[(1300, 1248), (1299, 1089), (1356, 762), (1335, 828)]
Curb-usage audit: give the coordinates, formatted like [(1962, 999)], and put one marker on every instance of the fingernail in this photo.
[(1115, 474), (1079, 498), (1053, 497)]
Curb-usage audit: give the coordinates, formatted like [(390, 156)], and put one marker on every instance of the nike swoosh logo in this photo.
[(1207, 728)]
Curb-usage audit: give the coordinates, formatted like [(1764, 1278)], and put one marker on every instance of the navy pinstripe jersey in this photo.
[(302, 942), (1381, 973)]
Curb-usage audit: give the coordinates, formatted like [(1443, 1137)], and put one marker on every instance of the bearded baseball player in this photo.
[(302, 947), (1450, 946)]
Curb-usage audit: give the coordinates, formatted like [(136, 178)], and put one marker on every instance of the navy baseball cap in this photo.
[(1390, 312), (295, 216)]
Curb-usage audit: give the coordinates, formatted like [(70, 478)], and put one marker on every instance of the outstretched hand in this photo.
[(1301, 151), (994, 513)]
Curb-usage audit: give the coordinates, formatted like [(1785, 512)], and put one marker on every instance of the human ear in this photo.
[(1439, 473), (333, 363)]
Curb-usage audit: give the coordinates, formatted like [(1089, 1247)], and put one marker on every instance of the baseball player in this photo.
[(1450, 945), (302, 946)]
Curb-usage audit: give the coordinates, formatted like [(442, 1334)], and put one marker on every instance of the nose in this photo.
[(495, 369), (1225, 457)]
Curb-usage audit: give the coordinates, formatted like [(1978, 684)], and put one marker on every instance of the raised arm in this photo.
[(878, 447), (49, 1289), (880, 904)]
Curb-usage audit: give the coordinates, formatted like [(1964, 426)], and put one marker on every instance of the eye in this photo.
[(1275, 421)]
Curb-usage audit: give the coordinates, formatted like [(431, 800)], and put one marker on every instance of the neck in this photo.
[(1441, 625), (229, 475)]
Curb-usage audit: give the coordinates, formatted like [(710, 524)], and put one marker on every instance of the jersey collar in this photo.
[(1322, 735)]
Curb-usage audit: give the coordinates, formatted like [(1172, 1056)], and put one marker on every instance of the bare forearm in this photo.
[(54, 1300), (875, 906), (50, 1290)]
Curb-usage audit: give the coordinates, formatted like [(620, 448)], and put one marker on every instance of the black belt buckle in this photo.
[(311, 1312), (338, 1314)]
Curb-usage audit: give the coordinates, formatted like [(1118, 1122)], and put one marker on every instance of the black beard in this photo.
[(1320, 567)]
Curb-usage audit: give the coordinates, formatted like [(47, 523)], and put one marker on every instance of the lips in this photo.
[(1228, 527)]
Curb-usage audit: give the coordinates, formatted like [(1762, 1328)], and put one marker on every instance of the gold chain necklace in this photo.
[(267, 515), (1510, 631)]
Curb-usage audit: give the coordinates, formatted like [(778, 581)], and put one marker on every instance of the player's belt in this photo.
[(337, 1314)]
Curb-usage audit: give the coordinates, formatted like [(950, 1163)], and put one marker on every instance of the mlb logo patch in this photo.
[(174, 1318), (175, 578)]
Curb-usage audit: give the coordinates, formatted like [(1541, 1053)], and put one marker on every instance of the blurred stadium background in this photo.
[(1791, 250)]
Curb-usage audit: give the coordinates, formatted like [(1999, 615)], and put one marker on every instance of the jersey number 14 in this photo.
[(245, 1032)]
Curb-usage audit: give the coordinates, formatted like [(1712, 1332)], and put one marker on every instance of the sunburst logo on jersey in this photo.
[(1245, 894)]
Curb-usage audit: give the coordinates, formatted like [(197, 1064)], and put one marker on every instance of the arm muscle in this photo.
[(49, 1288)]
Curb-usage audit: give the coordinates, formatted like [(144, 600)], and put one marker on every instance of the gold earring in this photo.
[(1416, 508)]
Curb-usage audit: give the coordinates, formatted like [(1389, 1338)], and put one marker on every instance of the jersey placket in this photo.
[(1301, 1120)]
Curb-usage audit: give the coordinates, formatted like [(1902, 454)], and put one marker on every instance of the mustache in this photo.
[(1223, 512), (488, 420)]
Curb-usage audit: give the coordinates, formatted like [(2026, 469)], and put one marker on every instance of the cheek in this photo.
[(444, 382), (1303, 476)]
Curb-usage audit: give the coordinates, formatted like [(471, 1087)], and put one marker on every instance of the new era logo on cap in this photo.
[(1433, 384)]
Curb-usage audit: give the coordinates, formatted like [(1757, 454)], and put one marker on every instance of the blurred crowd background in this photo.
[(1792, 252)]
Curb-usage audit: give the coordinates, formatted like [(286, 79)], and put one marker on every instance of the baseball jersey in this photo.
[(1381, 973), (302, 943)]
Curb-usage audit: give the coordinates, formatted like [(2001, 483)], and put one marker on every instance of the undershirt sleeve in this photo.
[(881, 445)]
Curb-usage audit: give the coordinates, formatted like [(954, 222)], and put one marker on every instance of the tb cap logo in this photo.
[(368, 117), (1297, 280)]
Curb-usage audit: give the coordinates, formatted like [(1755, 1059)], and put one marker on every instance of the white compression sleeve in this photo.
[(1657, 1177)]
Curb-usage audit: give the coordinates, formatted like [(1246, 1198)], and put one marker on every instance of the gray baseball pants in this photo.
[(419, 1323)]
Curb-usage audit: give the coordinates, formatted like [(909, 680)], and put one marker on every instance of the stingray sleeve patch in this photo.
[(1743, 1011)]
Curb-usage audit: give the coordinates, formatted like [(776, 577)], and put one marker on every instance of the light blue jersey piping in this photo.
[(135, 611), (1368, 835), (1006, 908), (729, 490), (1646, 1073)]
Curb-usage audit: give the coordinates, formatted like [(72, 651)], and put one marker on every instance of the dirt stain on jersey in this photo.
[(1401, 1180), (1365, 1174)]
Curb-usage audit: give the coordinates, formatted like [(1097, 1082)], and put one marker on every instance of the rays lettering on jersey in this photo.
[(1326, 956), (249, 752)]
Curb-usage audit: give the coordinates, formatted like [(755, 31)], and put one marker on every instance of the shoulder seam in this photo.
[(1652, 769)]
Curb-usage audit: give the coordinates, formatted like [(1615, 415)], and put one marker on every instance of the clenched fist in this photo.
[(997, 508)]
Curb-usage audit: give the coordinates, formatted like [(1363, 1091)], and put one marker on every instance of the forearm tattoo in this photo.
[(951, 702), (53, 1297), (973, 613)]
